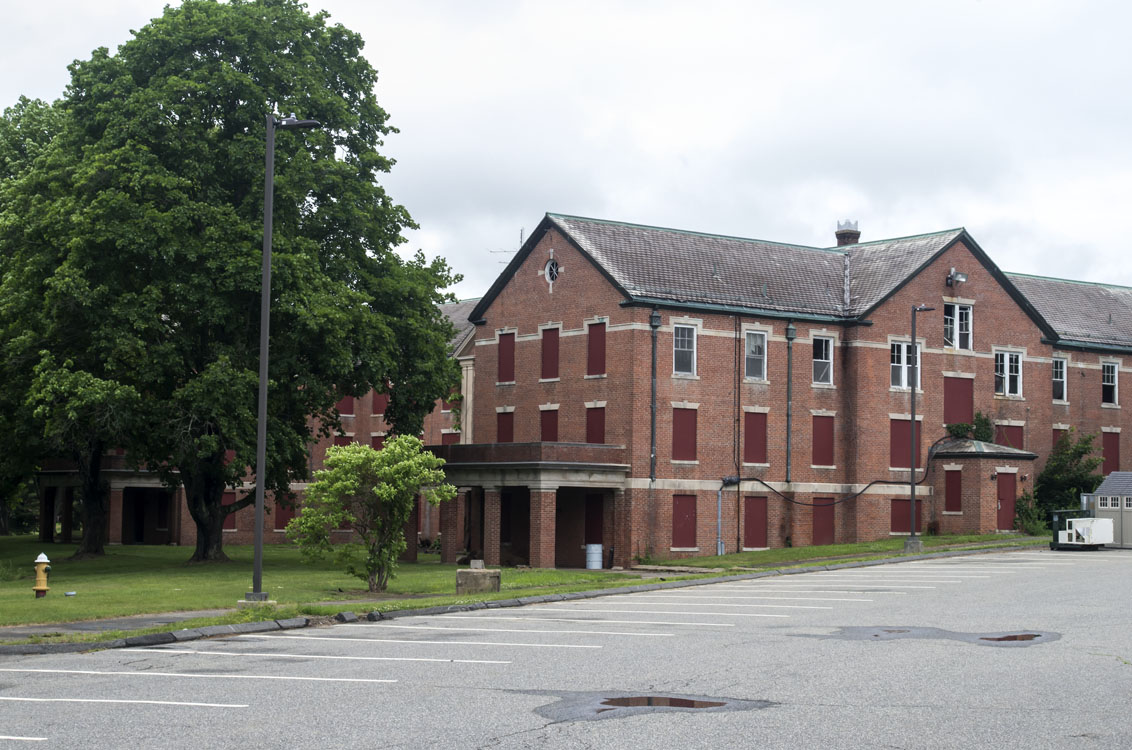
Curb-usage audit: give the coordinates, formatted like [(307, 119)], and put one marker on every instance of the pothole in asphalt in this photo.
[(1018, 639), (589, 706)]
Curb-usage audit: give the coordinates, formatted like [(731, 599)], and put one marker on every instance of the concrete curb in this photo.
[(154, 639)]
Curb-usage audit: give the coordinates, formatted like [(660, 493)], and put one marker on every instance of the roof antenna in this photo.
[(521, 240)]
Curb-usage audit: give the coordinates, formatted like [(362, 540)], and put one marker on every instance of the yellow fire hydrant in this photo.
[(42, 568)]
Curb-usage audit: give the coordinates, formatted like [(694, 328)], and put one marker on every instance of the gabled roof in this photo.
[(457, 314), (980, 449), (1116, 483), (1081, 313), (878, 269)]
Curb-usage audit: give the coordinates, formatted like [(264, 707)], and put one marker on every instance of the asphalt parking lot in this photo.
[(1024, 649)]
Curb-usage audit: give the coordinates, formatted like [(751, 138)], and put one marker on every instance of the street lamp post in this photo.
[(912, 544), (257, 594)]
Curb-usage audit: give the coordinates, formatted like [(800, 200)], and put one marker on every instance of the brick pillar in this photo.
[(622, 529), (451, 530), (410, 531), (544, 506), (492, 502), (114, 520), (68, 515), (47, 514)]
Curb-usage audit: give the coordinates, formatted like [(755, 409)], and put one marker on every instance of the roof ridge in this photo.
[(907, 237), (691, 232), (1068, 281)]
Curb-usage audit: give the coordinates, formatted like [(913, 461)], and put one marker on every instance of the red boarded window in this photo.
[(754, 522), (1110, 449), (346, 406), (683, 435), (684, 521), (595, 350), (230, 519), (506, 358), (449, 438), (953, 491), (958, 400), (380, 402), (445, 404), (1057, 435), (754, 437), (343, 439), (899, 512), (549, 353), (823, 441), (377, 442), (1010, 435), (282, 515), (823, 521), (899, 437), (548, 425), (595, 425), (505, 427)]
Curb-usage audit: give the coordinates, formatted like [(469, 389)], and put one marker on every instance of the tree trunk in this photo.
[(95, 502), (204, 493)]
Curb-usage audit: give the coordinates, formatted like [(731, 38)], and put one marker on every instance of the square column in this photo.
[(492, 506), (452, 527), (544, 504)]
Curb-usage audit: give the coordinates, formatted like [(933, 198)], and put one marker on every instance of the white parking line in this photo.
[(859, 585), (820, 591), (878, 579), (765, 598), (586, 619), (524, 630), (197, 676), (317, 656), (14, 738), (651, 601), (663, 612), (431, 643), (109, 700)]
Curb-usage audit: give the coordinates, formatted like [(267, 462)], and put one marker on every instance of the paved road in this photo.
[(888, 656)]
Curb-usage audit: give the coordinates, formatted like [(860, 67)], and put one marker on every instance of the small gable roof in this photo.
[(1081, 312), (457, 314), (1116, 483), (980, 449)]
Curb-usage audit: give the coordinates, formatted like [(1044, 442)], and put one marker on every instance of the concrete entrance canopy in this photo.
[(521, 501)]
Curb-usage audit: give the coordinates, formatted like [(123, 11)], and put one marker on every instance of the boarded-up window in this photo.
[(1110, 447), (548, 425), (899, 443), (449, 438), (953, 491), (595, 425), (684, 521), (346, 406), (505, 427), (898, 521), (230, 519), (1057, 435), (595, 349), (282, 515), (683, 434), (1010, 435), (549, 353), (958, 400), (343, 440), (823, 532), (380, 402), (377, 442), (506, 358), (823, 441), (754, 437), (754, 522)]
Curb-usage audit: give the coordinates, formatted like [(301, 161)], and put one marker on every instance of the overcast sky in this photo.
[(757, 119)]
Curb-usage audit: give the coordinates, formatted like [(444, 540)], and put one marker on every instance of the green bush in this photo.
[(1028, 517)]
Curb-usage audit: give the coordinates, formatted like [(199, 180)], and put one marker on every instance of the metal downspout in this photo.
[(654, 323), (791, 333)]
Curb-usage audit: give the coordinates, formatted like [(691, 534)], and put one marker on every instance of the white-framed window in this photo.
[(900, 359), (956, 326), (684, 350), (1128, 503), (1102, 502), (754, 362), (823, 360), (1059, 389), (1008, 373), (1109, 393)]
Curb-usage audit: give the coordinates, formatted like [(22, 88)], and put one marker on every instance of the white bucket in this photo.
[(593, 557)]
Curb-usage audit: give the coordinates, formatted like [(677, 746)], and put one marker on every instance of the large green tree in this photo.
[(1070, 470), (158, 226)]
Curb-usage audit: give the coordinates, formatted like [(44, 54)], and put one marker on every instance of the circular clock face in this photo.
[(551, 270)]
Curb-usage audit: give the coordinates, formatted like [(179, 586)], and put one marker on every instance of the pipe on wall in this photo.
[(791, 333)]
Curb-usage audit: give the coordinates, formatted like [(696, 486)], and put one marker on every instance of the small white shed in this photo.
[(1113, 499)]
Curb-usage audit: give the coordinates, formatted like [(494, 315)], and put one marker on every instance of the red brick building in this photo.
[(621, 377)]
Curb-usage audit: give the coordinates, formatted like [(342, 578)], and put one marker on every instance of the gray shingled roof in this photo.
[(1081, 311), (457, 314), (1116, 483), (877, 268), (965, 447)]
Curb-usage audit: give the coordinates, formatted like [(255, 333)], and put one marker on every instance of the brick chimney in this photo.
[(847, 233)]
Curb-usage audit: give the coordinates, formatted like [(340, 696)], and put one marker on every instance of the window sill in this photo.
[(549, 380), (952, 512), (505, 382), (904, 389), (685, 376), (1008, 397), (1060, 402), (756, 381), (1110, 406), (815, 466), (684, 462), (683, 549), (824, 386), (956, 350), (757, 466), (595, 377), (755, 549), (229, 531), (919, 469)]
